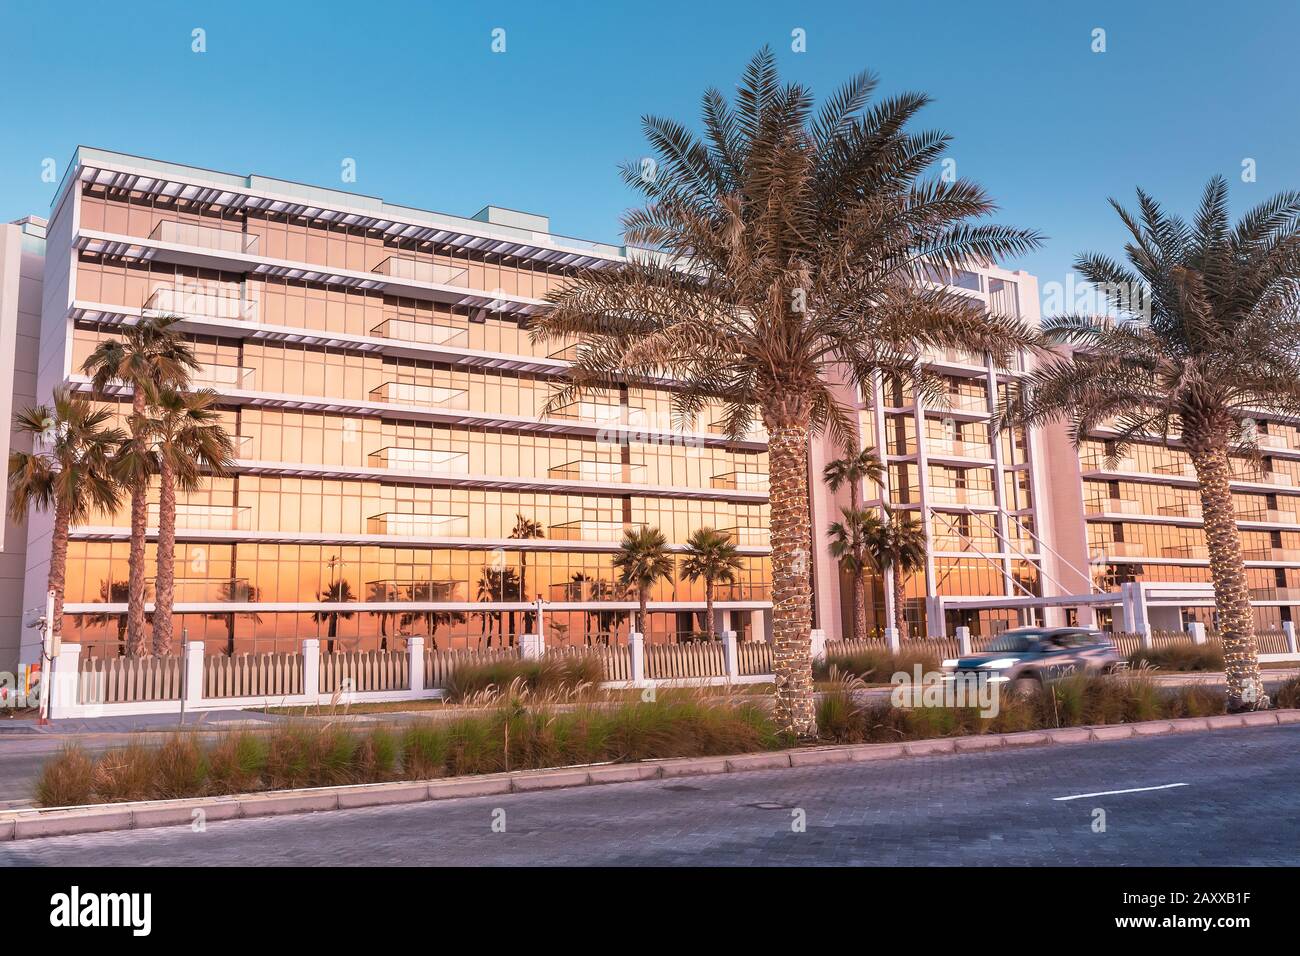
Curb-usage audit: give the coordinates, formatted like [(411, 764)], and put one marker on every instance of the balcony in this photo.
[(741, 481), (756, 431), (959, 402), (399, 458), (565, 353), (588, 469), (1120, 549), (749, 535), (203, 303), (218, 376), (409, 591), (601, 413), (586, 589), (1271, 554), (952, 357), (956, 448), (1275, 594), (212, 590), (1265, 440), (408, 393), (203, 237), (1198, 551), (1264, 477), (419, 526), (1178, 469), (957, 542), (1186, 509), (1270, 515), (589, 529), (1130, 506), (415, 270), (949, 495), (423, 333), (197, 517), (1099, 463)]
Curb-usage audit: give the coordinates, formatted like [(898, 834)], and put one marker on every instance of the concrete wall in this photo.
[(22, 261)]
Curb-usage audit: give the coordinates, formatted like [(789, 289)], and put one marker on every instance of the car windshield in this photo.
[(1013, 641)]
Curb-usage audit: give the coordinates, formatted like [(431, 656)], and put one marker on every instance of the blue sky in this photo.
[(433, 118)]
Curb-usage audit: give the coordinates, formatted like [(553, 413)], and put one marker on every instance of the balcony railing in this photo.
[(601, 413), (1263, 477), (1099, 463), (204, 237), (1186, 509), (399, 458), (408, 393), (589, 529), (957, 448), (395, 591), (749, 535), (948, 495), (212, 590), (959, 402), (214, 375), (424, 333), (1265, 440), (424, 526), (741, 481), (587, 469), (1275, 594), (197, 517), (1181, 469), (400, 267), (203, 302), (1114, 505), (1270, 554), (1185, 551), (756, 431), (1121, 549), (957, 542), (1272, 515)]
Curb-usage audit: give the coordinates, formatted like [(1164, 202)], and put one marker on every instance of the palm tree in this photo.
[(148, 357), (852, 470), (895, 542), (339, 592), (642, 560), (67, 472), (711, 556), (786, 245), (494, 584), (1206, 338), (112, 592), (848, 547), (190, 444), (526, 529)]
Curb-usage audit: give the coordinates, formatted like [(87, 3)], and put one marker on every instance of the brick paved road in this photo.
[(985, 808)]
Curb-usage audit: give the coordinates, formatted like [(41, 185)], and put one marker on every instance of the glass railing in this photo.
[(196, 517), (749, 535), (946, 494), (204, 237), (1186, 509), (201, 302), (394, 590), (589, 530), (1270, 554), (416, 270), (602, 413), (756, 431), (211, 590), (420, 459), (1275, 594), (1180, 469), (413, 525), (423, 333), (1185, 551), (408, 393), (963, 403), (213, 375), (1120, 549), (957, 448), (1272, 515), (583, 469), (1114, 505), (741, 481), (1263, 477)]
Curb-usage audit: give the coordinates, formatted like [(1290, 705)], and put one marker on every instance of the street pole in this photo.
[(185, 666), (48, 652)]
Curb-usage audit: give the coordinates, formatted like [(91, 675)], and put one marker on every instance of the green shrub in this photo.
[(1288, 695), (874, 665), (237, 762), (180, 768), (557, 676), (125, 773), (1180, 657)]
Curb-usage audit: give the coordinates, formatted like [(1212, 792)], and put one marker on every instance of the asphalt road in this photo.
[(1235, 805)]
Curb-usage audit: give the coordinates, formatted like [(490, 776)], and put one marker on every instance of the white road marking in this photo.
[(1108, 793)]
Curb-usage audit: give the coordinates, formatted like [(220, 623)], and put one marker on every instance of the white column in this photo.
[(1288, 628), (60, 684), (892, 639), (311, 667), (1197, 630), (818, 645), (757, 625), (193, 664), (963, 641), (730, 654), (415, 663), (636, 657), (531, 647)]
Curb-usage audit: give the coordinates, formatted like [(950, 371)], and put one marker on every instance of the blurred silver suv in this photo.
[(1028, 657)]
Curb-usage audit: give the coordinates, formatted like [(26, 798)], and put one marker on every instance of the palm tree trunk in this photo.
[(164, 591), (643, 600), (136, 645), (900, 618), (1231, 591), (708, 608), (794, 710), (58, 568), (859, 603)]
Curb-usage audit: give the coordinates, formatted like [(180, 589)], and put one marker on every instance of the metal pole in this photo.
[(185, 666), (48, 652)]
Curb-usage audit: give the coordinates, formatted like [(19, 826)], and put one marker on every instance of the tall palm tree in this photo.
[(339, 592), (852, 470), (642, 560), (66, 472), (895, 542), (149, 357), (787, 244), (1206, 338), (526, 529), (712, 557), (848, 547), (190, 444)]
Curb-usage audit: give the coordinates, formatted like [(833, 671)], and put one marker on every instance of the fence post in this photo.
[(730, 655), (1288, 628), (193, 665), (311, 669), (415, 664), (636, 657), (963, 641), (63, 682), (1197, 630), (1144, 634), (531, 647), (891, 638), (818, 644)]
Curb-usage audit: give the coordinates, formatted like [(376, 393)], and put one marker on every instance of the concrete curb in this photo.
[(34, 823)]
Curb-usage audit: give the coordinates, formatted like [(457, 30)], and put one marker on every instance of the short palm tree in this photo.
[(66, 472), (895, 543), (785, 244), (852, 470), (148, 357), (1207, 338), (642, 561), (190, 444), (848, 547), (339, 592), (526, 529), (711, 557)]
